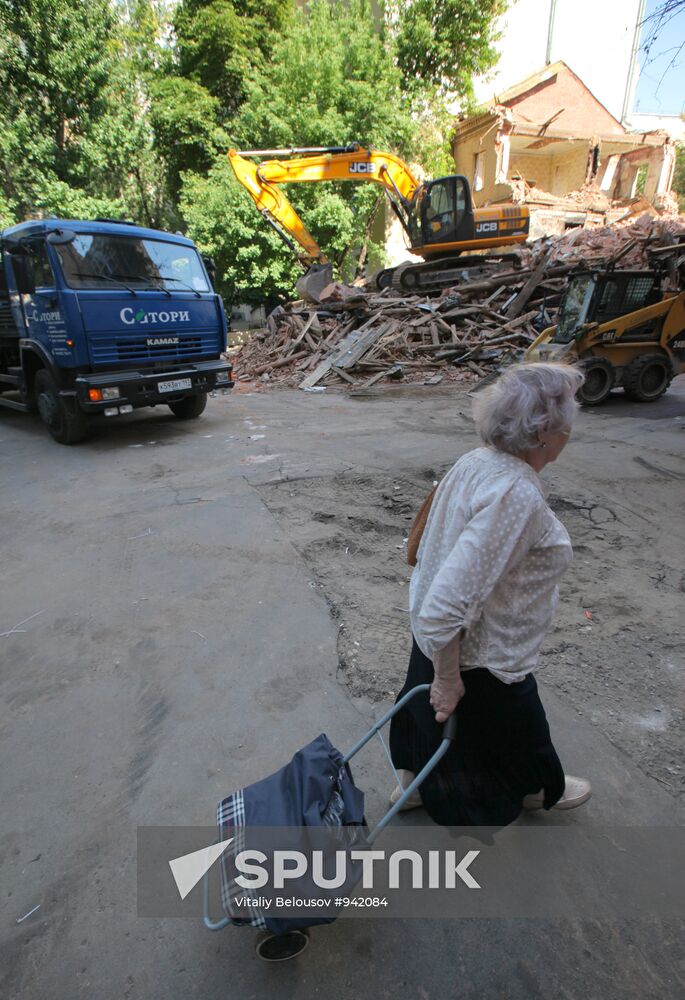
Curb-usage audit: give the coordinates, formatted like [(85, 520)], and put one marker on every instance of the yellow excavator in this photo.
[(438, 216)]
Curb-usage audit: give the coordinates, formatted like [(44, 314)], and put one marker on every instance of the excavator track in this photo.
[(443, 272)]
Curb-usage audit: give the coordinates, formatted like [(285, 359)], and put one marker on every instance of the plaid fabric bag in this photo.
[(315, 789)]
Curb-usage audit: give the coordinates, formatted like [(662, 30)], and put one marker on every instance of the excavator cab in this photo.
[(441, 211)]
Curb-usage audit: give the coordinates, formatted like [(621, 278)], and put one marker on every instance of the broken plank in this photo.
[(343, 375), (351, 353), (529, 287), (443, 325), (305, 329), (278, 364), (379, 375), (347, 353), (433, 348), (476, 368), (519, 321)]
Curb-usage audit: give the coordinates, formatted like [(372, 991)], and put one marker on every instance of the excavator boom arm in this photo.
[(346, 163)]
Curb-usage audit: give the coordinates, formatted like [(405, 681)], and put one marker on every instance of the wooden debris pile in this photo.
[(358, 336)]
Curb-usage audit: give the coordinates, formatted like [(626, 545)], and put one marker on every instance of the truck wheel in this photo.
[(599, 381), (189, 407), (647, 377), (66, 426)]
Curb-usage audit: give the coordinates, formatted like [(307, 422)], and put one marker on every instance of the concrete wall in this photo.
[(594, 37), (567, 173), (557, 174), (658, 163), (464, 153), (537, 170)]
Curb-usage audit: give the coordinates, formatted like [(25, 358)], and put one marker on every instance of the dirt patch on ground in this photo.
[(613, 652)]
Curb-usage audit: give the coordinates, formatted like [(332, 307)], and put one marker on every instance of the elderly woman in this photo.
[(482, 596)]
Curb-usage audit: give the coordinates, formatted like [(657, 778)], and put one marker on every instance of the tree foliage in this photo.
[(679, 175), (331, 80), (74, 136), (445, 43), (217, 45), (219, 41)]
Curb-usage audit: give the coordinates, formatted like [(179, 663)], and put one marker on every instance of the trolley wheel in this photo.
[(647, 377), (599, 381), (189, 407), (281, 947)]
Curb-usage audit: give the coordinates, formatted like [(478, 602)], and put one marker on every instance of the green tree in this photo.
[(54, 65), (679, 175), (74, 135), (445, 43), (218, 43), (184, 118), (332, 80)]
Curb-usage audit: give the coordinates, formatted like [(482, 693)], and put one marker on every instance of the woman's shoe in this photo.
[(576, 792), (414, 800)]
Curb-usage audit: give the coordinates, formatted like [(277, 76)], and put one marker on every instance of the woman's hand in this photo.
[(445, 696), (447, 687)]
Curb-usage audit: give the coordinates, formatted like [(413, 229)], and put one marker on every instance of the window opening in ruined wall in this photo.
[(478, 171)]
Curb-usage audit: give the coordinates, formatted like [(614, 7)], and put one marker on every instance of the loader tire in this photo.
[(647, 377), (600, 379)]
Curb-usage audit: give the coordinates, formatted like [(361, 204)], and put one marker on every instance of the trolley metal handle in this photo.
[(449, 731), (448, 735), (211, 925)]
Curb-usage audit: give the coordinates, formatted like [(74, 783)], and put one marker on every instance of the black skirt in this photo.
[(502, 750)]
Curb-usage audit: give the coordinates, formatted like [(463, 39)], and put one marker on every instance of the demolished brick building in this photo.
[(550, 143)]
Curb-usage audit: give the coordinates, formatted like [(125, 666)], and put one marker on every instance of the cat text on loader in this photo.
[(624, 328), (438, 216)]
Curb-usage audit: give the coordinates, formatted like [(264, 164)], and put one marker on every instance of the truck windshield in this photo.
[(94, 260)]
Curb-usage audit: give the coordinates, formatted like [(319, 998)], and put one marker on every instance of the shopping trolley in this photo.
[(289, 941)]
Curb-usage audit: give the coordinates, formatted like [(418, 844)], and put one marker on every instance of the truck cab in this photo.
[(106, 317)]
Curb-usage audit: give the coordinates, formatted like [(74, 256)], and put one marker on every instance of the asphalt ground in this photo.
[(176, 645)]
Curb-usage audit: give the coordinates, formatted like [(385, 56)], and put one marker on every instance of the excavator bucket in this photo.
[(311, 284)]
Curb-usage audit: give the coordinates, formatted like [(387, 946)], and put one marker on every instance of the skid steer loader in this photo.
[(624, 329)]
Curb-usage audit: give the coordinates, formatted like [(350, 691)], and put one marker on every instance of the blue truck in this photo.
[(106, 317)]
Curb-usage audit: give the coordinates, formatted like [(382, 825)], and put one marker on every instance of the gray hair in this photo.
[(526, 399)]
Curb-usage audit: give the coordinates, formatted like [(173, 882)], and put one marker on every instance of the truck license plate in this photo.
[(176, 385)]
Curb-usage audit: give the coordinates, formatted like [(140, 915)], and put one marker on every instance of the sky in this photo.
[(661, 84)]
